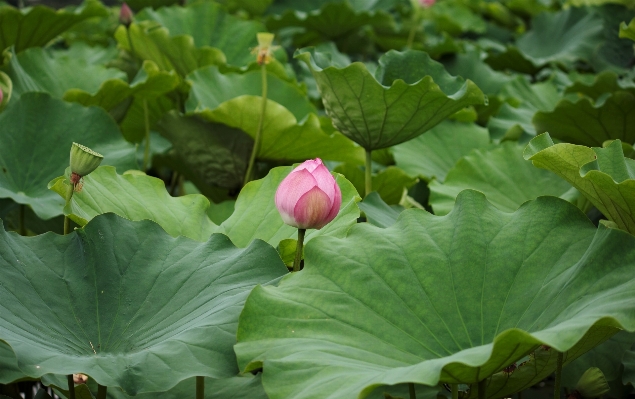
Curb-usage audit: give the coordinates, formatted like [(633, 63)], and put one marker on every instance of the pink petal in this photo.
[(325, 181), (312, 209), (337, 203), (294, 186), (309, 165)]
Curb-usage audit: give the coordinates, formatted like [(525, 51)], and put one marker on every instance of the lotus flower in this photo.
[(426, 3), (309, 197), (125, 15)]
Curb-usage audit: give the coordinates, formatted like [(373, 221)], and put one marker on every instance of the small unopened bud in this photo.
[(1, 96), (125, 15), (591, 385), (83, 161), (426, 3), (265, 47), (80, 379)]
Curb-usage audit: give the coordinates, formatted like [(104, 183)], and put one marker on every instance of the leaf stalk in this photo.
[(261, 122)]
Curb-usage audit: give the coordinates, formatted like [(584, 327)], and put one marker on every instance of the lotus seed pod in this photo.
[(264, 48), (592, 384), (80, 378), (84, 160)]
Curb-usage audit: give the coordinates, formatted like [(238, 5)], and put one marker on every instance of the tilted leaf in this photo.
[(136, 197), (501, 174), (603, 175), (283, 136), (256, 217), (491, 288), (209, 25), (36, 135), (389, 183), (127, 304), (628, 31), (9, 365), (591, 124), (210, 88), (409, 94), (378, 212), (36, 26)]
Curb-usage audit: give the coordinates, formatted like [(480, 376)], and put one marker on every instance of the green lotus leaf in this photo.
[(455, 17), (563, 37), (283, 136), (37, 133), (208, 154), (126, 303), (603, 175), (628, 31), (256, 216), (378, 212), (37, 26), (514, 119), (470, 65), (433, 154), (210, 88), (606, 356), (491, 288), (9, 365), (332, 20), (151, 41), (136, 197), (54, 72), (389, 183), (149, 83), (409, 94), (501, 174), (253, 7), (591, 124), (241, 387), (596, 86), (209, 26)]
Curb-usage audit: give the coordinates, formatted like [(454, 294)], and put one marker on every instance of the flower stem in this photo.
[(200, 387), (368, 176), (482, 389), (411, 35), (67, 221), (22, 226), (101, 392), (556, 385), (261, 123), (146, 153), (455, 391), (298, 250), (71, 386), (411, 388), (130, 41)]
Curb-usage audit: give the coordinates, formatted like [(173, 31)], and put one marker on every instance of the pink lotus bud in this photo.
[(309, 197), (1, 95), (125, 15), (426, 3)]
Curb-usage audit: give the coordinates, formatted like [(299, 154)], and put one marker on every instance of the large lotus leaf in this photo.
[(212, 154), (597, 86), (409, 94), (54, 72), (471, 66), (628, 31), (126, 303), (564, 37), (256, 217), (433, 154), (455, 17), (603, 175), (378, 212), (491, 288), (332, 19), (210, 88), (614, 53), (149, 83), (501, 174), (240, 387), (209, 25), (37, 133), (9, 371), (36, 26), (151, 41), (514, 119), (136, 197), (591, 124), (283, 137)]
